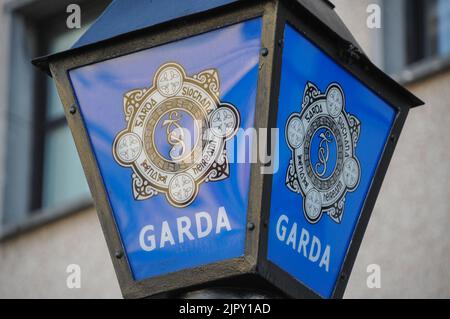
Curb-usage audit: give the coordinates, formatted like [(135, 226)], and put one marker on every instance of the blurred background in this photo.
[(47, 219)]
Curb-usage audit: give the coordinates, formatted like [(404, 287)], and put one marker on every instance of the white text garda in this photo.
[(183, 230), (301, 242)]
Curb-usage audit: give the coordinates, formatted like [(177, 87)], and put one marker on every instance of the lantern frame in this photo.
[(275, 16)]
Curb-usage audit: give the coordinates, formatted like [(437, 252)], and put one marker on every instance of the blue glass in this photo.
[(234, 52), (305, 256)]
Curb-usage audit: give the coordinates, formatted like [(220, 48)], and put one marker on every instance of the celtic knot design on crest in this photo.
[(176, 135), (323, 140)]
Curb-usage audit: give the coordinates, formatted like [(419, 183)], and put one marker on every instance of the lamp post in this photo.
[(158, 96)]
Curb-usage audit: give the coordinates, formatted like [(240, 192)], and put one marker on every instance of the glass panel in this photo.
[(54, 108), (157, 188), (428, 29), (444, 26), (421, 30), (333, 131), (63, 175), (60, 42), (431, 42)]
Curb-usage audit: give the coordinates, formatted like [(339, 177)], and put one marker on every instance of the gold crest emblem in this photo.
[(176, 135)]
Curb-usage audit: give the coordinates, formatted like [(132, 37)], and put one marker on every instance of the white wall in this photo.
[(408, 233), (34, 265)]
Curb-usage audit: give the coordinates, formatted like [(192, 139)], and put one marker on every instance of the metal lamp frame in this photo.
[(275, 15)]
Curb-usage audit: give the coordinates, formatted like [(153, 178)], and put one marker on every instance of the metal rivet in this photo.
[(118, 254), (250, 226), (264, 51), (393, 138), (73, 109), (351, 54)]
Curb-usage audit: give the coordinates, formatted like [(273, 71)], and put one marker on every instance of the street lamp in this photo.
[(161, 97)]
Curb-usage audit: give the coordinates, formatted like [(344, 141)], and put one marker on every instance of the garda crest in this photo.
[(176, 135), (323, 139)]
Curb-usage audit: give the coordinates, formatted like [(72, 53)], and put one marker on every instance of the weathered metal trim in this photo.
[(266, 90), (275, 15), (333, 48), (61, 65)]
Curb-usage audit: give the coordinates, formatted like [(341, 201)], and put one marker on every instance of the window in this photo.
[(43, 171), (428, 27), (443, 16), (415, 31), (58, 174)]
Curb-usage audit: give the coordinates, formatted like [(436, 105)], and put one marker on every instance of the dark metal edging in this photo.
[(331, 46), (60, 67), (274, 14)]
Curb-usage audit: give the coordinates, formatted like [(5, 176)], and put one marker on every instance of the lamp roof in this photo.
[(124, 17)]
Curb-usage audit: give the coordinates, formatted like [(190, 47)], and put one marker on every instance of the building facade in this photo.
[(48, 223)]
